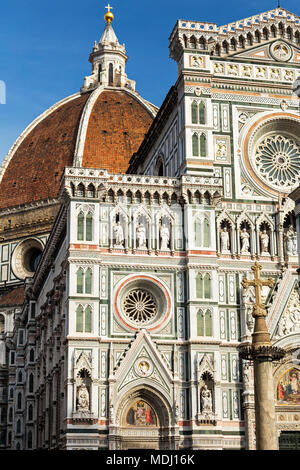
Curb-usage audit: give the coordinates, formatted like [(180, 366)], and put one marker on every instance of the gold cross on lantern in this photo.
[(109, 7), (258, 283)]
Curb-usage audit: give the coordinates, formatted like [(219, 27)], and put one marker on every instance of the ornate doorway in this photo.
[(143, 421)]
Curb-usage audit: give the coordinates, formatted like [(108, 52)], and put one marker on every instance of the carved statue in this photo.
[(83, 398), (291, 241), (141, 236), (206, 400), (118, 234), (245, 241), (224, 240), (264, 240), (165, 237)]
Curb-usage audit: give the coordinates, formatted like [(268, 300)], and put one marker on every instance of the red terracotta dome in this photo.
[(98, 129)]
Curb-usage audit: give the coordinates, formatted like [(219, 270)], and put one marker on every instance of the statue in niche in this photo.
[(224, 240), (206, 400), (165, 237), (83, 398), (245, 239), (291, 241), (264, 242), (118, 234), (141, 236)]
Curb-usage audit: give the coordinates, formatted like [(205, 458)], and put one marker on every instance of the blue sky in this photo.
[(44, 48)]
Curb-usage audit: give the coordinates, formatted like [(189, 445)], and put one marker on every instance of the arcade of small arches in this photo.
[(235, 42)]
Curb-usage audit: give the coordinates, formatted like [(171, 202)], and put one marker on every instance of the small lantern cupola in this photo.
[(108, 59)]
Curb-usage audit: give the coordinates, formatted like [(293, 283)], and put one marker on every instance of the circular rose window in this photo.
[(277, 160), (139, 306), (142, 302)]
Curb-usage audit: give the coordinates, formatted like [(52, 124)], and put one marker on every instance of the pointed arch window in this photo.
[(194, 111), (84, 281), (80, 276), (30, 413), (111, 74), (80, 226), (204, 323), (207, 286), (201, 113), (29, 440), (195, 145), (31, 383), (79, 319), (84, 319), (85, 226), (203, 286), (206, 233), (202, 145), (89, 227), (199, 286), (88, 281)]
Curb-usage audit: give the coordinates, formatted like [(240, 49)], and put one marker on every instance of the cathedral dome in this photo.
[(98, 129)]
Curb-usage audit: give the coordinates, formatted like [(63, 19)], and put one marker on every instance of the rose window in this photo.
[(277, 160), (139, 306)]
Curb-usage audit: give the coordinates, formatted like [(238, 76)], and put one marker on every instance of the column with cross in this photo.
[(262, 353)]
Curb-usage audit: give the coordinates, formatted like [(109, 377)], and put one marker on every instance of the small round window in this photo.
[(26, 257)]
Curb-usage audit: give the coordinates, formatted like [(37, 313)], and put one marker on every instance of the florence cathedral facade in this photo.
[(125, 232)]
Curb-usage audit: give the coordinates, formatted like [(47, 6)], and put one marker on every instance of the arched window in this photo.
[(31, 355), (19, 426), (110, 75), (80, 281), (201, 113), (30, 413), (31, 383), (88, 281), (202, 145), (89, 227), (10, 414), (206, 233), (194, 110), (80, 226), (199, 286), (19, 401), (195, 145), (79, 319), (20, 377), (29, 440), (208, 323), (207, 283), (88, 320), (200, 323), (84, 319), (84, 281), (204, 323)]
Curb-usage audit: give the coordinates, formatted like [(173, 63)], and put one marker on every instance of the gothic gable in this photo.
[(143, 364)]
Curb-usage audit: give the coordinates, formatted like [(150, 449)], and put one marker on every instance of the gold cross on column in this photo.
[(258, 283)]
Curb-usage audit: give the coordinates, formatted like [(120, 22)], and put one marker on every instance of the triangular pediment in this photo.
[(141, 364), (277, 51)]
